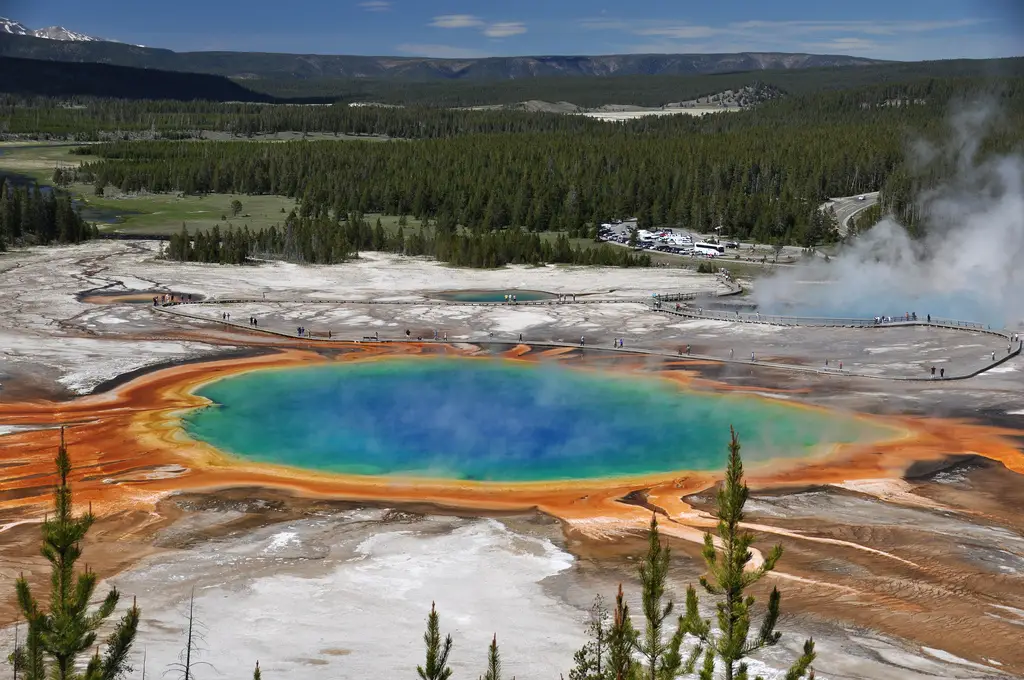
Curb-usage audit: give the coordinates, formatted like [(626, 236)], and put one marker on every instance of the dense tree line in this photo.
[(767, 187), (32, 216), (324, 239), (923, 99), (760, 174), (95, 119)]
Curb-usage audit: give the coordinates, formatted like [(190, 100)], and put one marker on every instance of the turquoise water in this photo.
[(494, 295), (493, 420)]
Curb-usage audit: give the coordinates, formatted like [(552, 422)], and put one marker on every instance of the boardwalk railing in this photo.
[(821, 321)]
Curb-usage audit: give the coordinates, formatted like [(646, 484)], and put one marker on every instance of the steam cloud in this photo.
[(969, 266)]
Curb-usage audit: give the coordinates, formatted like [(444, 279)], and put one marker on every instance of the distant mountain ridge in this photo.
[(35, 77), (252, 65), (11, 27)]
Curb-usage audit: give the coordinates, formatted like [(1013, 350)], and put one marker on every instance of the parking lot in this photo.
[(666, 240), (680, 242)]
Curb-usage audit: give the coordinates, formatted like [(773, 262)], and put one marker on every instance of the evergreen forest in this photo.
[(760, 174), (491, 182)]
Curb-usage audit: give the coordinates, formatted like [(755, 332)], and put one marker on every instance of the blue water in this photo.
[(494, 295), (494, 420)]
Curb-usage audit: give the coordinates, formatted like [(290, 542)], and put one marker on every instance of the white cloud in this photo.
[(845, 46), (868, 27), (456, 21), (505, 29), (439, 51), (376, 5), (757, 28), (498, 29), (683, 31)]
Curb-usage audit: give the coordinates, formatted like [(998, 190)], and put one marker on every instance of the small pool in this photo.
[(493, 295)]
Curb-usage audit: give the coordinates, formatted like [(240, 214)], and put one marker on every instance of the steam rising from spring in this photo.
[(968, 266)]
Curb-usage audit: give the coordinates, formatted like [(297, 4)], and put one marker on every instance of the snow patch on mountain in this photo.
[(61, 33), (13, 27)]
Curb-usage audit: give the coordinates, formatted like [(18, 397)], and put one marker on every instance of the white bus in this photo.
[(711, 249)]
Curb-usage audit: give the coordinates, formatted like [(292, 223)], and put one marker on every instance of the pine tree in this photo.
[(437, 652), (662, 658), (728, 579), (493, 671), (256, 675), (57, 637), (621, 641)]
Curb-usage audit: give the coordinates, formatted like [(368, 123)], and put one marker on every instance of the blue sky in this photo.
[(888, 29)]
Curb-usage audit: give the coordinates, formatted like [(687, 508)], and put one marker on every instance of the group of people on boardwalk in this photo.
[(564, 297), (511, 299), (906, 318), (171, 298)]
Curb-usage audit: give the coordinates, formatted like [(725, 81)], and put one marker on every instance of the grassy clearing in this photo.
[(165, 213), (144, 213), (37, 160)]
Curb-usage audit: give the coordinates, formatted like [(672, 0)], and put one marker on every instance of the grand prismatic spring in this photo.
[(505, 421)]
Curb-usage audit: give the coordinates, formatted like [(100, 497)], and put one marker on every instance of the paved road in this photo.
[(848, 206)]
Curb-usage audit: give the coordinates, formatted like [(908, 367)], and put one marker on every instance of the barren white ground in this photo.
[(344, 596), (42, 323)]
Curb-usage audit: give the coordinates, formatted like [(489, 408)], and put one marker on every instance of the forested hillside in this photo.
[(760, 174), (920, 101), (72, 102), (301, 66), (650, 90), (30, 77)]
